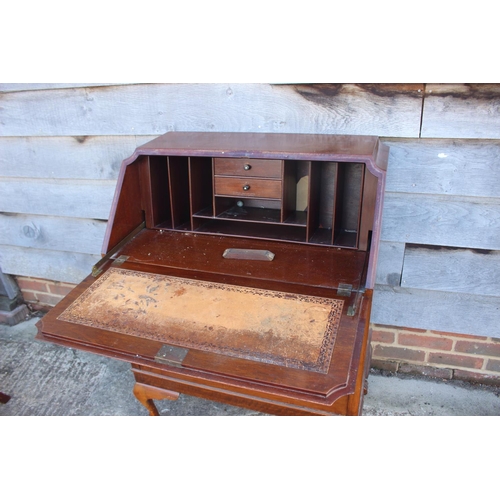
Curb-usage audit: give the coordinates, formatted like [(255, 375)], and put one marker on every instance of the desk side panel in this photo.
[(127, 209)]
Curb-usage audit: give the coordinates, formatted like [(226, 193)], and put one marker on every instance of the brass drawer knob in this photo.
[(246, 187), (247, 166)]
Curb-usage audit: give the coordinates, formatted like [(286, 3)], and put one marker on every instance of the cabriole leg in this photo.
[(146, 393)]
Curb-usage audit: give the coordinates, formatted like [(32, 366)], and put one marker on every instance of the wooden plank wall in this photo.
[(61, 146)]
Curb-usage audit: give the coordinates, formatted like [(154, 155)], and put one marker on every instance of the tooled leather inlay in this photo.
[(286, 329)]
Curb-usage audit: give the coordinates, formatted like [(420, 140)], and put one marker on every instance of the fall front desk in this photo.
[(239, 268)]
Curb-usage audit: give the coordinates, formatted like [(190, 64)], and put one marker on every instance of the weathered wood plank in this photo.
[(466, 111), (441, 311), (442, 220), (153, 109), (52, 233), (69, 198), (78, 157), (468, 168), (19, 87), (451, 167), (452, 270), (390, 263), (68, 267)]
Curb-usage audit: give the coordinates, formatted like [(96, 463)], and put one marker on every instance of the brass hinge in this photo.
[(344, 290), (97, 269), (171, 355), (119, 260), (351, 311)]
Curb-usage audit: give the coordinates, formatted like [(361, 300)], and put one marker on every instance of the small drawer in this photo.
[(248, 167), (247, 188)]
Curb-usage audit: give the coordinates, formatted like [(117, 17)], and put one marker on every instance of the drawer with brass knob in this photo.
[(248, 167), (245, 187)]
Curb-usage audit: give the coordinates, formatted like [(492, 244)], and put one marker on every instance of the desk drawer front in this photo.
[(248, 167), (247, 188)]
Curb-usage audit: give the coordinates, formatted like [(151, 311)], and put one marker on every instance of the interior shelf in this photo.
[(296, 219), (280, 232), (320, 201), (251, 214)]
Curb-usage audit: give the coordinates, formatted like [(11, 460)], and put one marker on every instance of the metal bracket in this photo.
[(248, 254), (120, 260), (351, 311), (171, 355), (344, 290), (97, 269)]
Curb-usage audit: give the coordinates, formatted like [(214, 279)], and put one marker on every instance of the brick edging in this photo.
[(42, 294), (435, 354)]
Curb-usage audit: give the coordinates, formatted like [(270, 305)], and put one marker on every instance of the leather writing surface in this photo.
[(297, 331)]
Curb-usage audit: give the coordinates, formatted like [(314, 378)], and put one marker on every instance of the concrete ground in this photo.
[(48, 380)]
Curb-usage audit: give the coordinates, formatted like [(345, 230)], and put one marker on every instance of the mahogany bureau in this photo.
[(238, 267)]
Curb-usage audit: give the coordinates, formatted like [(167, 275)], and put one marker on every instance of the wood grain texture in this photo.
[(321, 267), (52, 233), (442, 220), (152, 109), (448, 167), (69, 198), (19, 87), (126, 212), (452, 270), (390, 263), (441, 190), (247, 188), (79, 157), (67, 267), (435, 310), (465, 111)]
